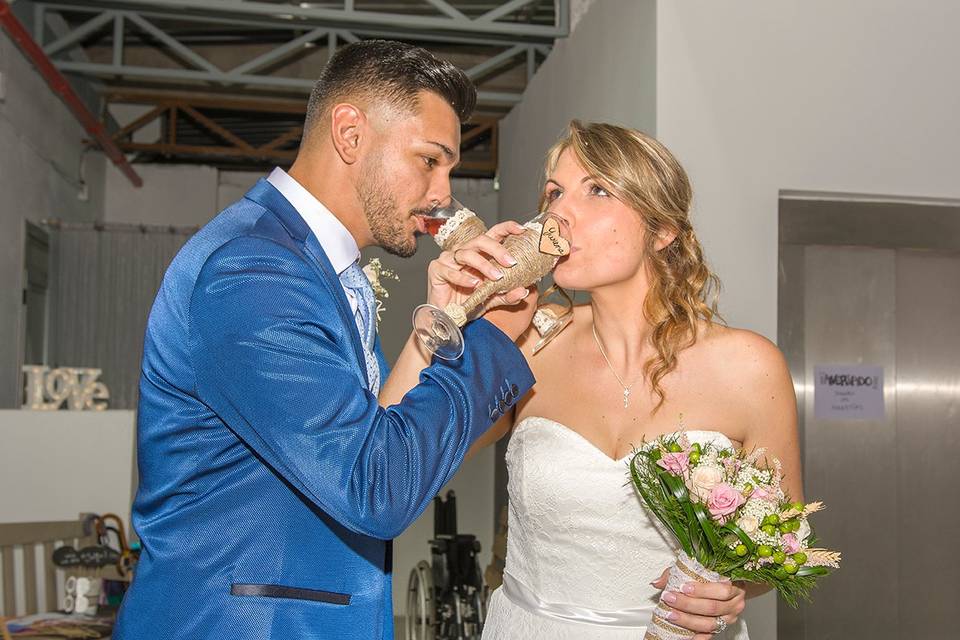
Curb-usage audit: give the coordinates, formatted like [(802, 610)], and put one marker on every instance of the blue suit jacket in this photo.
[(270, 480)]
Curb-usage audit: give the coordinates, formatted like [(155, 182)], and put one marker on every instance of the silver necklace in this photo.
[(626, 389)]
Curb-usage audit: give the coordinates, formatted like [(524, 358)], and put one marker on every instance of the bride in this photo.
[(584, 560)]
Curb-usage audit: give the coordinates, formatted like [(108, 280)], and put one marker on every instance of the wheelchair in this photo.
[(446, 598)]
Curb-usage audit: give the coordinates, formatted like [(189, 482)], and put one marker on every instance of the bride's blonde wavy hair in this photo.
[(644, 175)]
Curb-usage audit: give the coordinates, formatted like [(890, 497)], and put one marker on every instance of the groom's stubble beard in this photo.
[(386, 222)]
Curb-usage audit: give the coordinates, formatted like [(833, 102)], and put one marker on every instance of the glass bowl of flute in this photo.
[(546, 238)]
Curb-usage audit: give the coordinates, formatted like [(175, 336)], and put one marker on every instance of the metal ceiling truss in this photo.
[(497, 32), (251, 133)]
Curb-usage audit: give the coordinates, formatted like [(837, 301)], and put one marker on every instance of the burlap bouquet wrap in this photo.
[(685, 569)]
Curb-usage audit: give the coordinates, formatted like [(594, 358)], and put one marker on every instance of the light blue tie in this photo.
[(354, 279)]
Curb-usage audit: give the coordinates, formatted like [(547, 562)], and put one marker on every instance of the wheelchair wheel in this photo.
[(421, 608)]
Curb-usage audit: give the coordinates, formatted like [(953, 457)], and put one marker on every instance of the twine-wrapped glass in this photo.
[(544, 241)]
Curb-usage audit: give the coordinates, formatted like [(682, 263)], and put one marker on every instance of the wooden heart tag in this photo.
[(551, 242)]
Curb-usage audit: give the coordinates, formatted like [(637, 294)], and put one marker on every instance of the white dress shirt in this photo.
[(336, 241)]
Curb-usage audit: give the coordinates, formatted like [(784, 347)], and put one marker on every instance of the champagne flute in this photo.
[(546, 238), (554, 313)]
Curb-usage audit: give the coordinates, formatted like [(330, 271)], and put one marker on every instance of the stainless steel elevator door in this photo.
[(928, 443), (889, 484)]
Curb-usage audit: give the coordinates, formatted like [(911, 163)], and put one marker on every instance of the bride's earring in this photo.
[(549, 321)]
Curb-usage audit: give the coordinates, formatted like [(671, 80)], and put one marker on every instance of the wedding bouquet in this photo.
[(731, 518)]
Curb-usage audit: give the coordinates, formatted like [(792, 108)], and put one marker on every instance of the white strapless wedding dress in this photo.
[(581, 548)]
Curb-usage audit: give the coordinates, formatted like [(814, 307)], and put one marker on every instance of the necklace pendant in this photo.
[(626, 398)]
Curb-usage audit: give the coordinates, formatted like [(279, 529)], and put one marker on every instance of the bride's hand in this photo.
[(699, 605)]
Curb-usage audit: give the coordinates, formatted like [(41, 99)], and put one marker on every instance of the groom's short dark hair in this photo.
[(391, 71)]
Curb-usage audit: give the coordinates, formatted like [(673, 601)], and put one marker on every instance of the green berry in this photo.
[(790, 568), (675, 448), (696, 447), (764, 551), (774, 518), (769, 529), (694, 457), (798, 506), (741, 550), (779, 557), (747, 489), (780, 574), (800, 557)]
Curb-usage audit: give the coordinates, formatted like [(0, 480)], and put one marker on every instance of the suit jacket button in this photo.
[(515, 390), (501, 407)]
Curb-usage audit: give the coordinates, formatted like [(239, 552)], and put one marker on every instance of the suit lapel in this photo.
[(267, 196)]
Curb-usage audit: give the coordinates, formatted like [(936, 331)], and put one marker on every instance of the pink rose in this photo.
[(790, 543), (675, 463), (724, 501)]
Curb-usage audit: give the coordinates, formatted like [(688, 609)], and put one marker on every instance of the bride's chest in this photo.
[(551, 467)]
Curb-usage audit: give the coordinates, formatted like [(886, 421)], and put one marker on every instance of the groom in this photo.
[(271, 482)]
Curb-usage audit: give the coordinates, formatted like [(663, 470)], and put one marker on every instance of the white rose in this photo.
[(749, 524), (804, 531), (702, 481)]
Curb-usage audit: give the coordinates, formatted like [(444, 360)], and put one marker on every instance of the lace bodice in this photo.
[(577, 533)]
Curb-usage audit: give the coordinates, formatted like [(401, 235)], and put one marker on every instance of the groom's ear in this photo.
[(347, 125)]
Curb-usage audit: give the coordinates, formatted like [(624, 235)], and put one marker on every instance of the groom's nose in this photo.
[(439, 190)]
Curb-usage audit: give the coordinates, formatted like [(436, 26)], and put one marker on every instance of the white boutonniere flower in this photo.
[(376, 272)]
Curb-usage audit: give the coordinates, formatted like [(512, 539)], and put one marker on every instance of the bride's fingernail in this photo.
[(687, 588), (510, 260), (496, 274), (672, 616), (669, 597)]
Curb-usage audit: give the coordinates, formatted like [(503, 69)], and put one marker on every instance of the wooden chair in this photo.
[(34, 537)]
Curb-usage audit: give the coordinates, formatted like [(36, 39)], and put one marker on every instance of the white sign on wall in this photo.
[(47, 389), (848, 392)]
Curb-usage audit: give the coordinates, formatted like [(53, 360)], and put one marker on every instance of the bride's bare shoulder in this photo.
[(749, 357)]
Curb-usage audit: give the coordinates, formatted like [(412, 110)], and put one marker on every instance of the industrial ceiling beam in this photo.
[(306, 14), (132, 27)]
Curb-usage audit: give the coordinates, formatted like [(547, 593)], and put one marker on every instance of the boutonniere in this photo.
[(376, 272)]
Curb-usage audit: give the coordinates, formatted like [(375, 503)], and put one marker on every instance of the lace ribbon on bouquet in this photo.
[(684, 570)]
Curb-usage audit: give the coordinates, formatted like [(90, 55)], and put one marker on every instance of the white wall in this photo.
[(178, 195), (757, 96), (55, 465), (40, 151)]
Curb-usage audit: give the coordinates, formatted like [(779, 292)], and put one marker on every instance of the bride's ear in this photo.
[(665, 238)]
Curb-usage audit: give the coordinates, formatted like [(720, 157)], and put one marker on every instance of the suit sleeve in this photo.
[(274, 361)]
